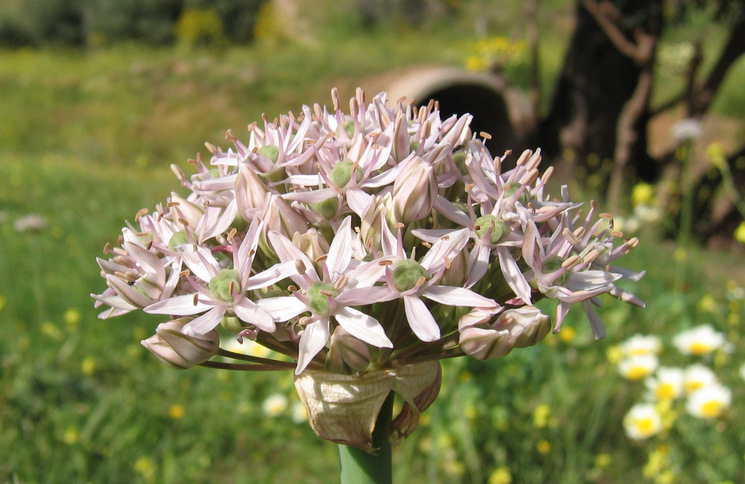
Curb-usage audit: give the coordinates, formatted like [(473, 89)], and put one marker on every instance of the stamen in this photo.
[(485, 135), (386, 262), (231, 234), (196, 298), (341, 282), (140, 214), (106, 248)]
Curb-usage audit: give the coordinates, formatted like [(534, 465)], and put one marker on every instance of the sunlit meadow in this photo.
[(82, 401)]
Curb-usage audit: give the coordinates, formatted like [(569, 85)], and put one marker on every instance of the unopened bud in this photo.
[(179, 350), (415, 191), (347, 355)]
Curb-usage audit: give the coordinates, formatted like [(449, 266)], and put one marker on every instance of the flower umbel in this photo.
[(365, 247)]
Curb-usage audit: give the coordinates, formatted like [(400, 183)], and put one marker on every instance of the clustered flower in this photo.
[(359, 242), (697, 385)]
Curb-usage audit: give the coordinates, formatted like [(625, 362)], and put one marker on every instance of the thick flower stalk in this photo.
[(365, 246)]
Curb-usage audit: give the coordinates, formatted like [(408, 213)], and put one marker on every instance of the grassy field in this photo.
[(86, 139)]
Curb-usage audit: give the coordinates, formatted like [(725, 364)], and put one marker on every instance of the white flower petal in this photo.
[(206, 322), (363, 327), (178, 306), (340, 251), (282, 308), (313, 339), (420, 319), (249, 312), (457, 296)]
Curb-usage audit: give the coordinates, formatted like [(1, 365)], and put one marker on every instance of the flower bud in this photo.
[(347, 355), (314, 245), (179, 350), (415, 191), (281, 217), (250, 191), (527, 325), (515, 328), (185, 211)]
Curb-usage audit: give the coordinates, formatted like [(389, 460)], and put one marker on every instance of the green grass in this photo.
[(86, 139)]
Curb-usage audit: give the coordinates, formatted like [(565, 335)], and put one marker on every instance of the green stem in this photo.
[(359, 467)]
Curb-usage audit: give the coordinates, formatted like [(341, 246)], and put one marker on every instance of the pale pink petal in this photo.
[(369, 273), (457, 296), (478, 263), (314, 338), (363, 327), (200, 262), (271, 276), (340, 251), (206, 322), (288, 252), (129, 293), (513, 275), (282, 308), (361, 296), (249, 312), (178, 306), (447, 247), (420, 319)]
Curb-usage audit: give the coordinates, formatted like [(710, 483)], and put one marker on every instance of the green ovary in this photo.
[(224, 284), (319, 294), (495, 227), (407, 274)]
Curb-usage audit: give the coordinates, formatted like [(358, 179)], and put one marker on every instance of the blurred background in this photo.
[(638, 104)]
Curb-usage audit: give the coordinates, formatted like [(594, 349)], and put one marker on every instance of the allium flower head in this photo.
[(365, 246)]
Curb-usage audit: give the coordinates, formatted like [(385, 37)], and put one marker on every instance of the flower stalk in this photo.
[(361, 467)]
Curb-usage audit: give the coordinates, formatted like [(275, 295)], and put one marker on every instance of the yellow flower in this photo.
[(740, 233), (145, 467), (541, 416), (707, 304), (567, 334), (71, 317), (501, 475), (71, 436), (602, 460), (88, 365), (543, 446), (642, 194), (176, 411)]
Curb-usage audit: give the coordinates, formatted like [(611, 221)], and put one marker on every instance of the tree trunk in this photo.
[(595, 84)]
